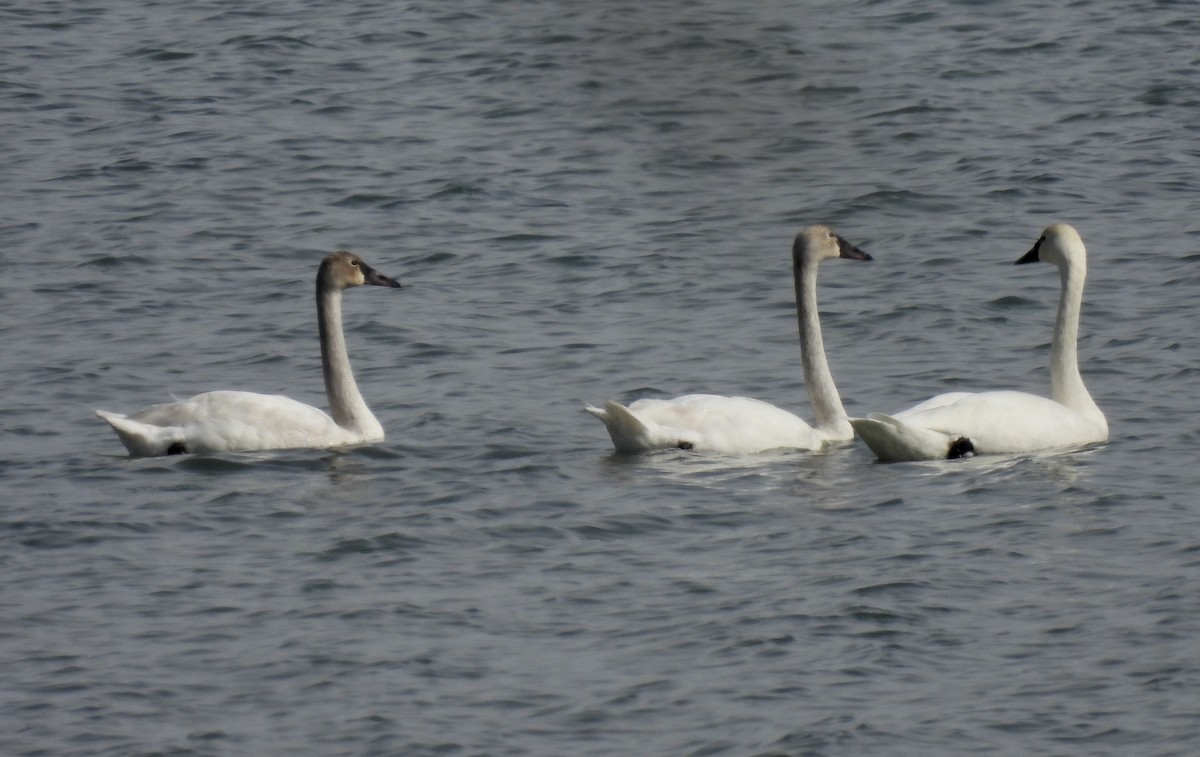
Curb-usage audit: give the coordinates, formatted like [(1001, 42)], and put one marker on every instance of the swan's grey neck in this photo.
[(828, 414), (346, 404), (1066, 385)]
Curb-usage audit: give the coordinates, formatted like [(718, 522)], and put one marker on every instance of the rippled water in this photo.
[(593, 200)]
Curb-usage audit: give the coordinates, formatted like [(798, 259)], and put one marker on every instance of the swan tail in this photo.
[(628, 433), (893, 440), (142, 439), (631, 434)]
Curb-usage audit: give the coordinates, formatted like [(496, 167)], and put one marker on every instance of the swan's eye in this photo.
[(354, 263)]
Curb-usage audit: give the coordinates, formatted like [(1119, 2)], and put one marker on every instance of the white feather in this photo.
[(231, 421), (1007, 422), (716, 423)]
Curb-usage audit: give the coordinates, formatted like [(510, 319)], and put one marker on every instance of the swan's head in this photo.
[(345, 269), (816, 243), (1059, 244)]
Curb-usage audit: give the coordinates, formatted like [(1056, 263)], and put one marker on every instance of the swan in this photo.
[(230, 421), (713, 423), (960, 424)]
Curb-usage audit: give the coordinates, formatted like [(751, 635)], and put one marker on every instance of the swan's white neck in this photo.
[(346, 404), (829, 416), (1066, 385)]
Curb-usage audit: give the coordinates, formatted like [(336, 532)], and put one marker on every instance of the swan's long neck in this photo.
[(1066, 385), (828, 414), (346, 404)]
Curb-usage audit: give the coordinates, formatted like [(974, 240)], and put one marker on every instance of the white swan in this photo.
[(227, 421), (738, 424), (1004, 422)]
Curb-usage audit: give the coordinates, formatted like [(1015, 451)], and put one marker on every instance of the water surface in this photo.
[(585, 201)]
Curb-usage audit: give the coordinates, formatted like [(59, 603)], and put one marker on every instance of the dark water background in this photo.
[(592, 200)]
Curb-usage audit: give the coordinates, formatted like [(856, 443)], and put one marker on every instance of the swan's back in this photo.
[(1002, 422), (227, 421), (738, 425)]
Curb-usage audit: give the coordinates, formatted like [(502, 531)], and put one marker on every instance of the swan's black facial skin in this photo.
[(1033, 255)]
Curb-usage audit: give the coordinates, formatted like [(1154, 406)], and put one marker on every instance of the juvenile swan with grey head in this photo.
[(230, 421), (959, 424), (711, 423)]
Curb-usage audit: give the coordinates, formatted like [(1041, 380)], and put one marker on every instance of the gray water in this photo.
[(593, 200)]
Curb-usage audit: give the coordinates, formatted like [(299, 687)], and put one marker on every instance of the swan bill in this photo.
[(1034, 254), (850, 251), (373, 277)]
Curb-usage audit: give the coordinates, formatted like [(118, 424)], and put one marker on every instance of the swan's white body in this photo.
[(706, 422), (1006, 422), (230, 421), (715, 423)]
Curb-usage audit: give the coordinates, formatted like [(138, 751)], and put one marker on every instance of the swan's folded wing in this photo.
[(226, 421), (941, 400), (736, 425), (1003, 422)]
